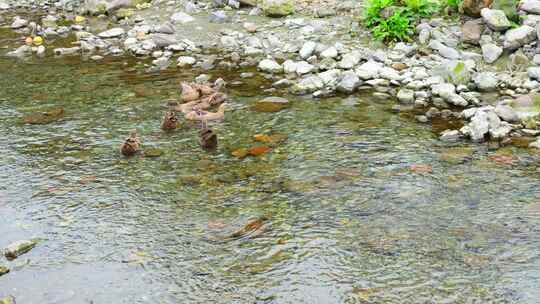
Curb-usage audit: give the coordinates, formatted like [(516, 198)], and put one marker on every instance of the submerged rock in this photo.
[(182, 18), (19, 248), (271, 104), (44, 117)]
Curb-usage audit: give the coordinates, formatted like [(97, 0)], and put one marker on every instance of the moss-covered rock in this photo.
[(277, 8), (509, 7)]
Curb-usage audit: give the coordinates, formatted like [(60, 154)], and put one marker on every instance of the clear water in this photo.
[(346, 217)]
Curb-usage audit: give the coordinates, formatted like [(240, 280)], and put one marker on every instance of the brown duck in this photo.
[(170, 121), (209, 101), (207, 138), (206, 116), (132, 145), (189, 92)]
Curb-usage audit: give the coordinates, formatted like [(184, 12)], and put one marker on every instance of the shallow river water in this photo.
[(356, 204)]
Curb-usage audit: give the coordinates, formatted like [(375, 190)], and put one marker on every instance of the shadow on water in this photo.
[(357, 204)]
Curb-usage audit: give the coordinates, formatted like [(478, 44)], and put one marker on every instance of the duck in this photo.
[(170, 121), (209, 101), (189, 92), (206, 116), (204, 89), (208, 139), (131, 145)]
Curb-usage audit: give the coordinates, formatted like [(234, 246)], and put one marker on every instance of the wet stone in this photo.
[(45, 117), (19, 248), (271, 104), (3, 270)]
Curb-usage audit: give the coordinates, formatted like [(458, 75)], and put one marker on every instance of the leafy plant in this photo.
[(421, 8), (453, 3), (396, 28), (372, 13)]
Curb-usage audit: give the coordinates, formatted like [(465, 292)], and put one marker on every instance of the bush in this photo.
[(421, 8), (372, 13), (396, 28)]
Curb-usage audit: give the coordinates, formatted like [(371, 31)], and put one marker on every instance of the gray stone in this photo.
[(478, 127), (289, 66), (405, 96), (368, 70), (450, 136), (270, 66), (349, 82), (534, 73), (16, 249), (501, 131), (184, 61), (165, 28), (162, 40), (530, 6), (277, 8), (307, 85), (330, 78), (535, 144), (471, 31), (19, 23), (491, 52), (114, 32), (219, 17), (444, 51), (40, 51), (20, 52), (518, 37), (182, 18), (495, 19), (303, 67), (486, 81), (307, 49), (350, 60), (330, 52), (506, 113), (67, 51)]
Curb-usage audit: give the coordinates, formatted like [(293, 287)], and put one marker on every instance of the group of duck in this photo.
[(196, 100)]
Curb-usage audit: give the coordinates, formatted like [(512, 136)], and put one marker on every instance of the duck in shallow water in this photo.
[(170, 121), (207, 116), (131, 145), (207, 138)]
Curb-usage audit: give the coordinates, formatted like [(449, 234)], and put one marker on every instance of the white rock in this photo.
[(270, 66), (516, 38), (186, 61), (307, 49), (405, 96), (368, 70), (303, 67), (330, 52), (114, 32), (349, 82), (350, 60), (491, 52), (534, 73), (530, 6), (289, 66), (495, 19), (19, 23), (181, 17)]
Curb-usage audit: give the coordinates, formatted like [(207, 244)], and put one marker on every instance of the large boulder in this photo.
[(495, 19), (516, 38), (473, 7), (277, 8), (530, 6)]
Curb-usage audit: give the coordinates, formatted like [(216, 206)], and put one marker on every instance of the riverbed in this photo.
[(357, 203)]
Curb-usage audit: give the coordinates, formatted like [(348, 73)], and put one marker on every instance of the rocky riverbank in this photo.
[(480, 70)]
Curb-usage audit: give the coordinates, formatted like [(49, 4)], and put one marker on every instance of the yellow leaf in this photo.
[(38, 40), (79, 19)]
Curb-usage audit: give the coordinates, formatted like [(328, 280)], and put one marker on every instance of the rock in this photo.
[(19, 248), (114, 32), (423, 36), (368, 70), (350, 60), (184, 61), (450, 135), (165, 28), (491, 52), (303, 67), (405, 49), (3, 270), (518, 37), (307, 85), (444, 51), (530, 6), (277, 8), (349, 82), (40, 51), (250, 27), (307, 49), (534, 73), (495, 19), (330, 52), (4, 5), (405, 96), (330, 78), (456, 72), (182, 18), (535, 144), (163, 40), (67, 51), (324, 12), (20, 52), (506, 113), (478, 127), (486, 81), (19, 23), (474, 7), (270, 66), (501, 131), (7, 300), (447, 91), (471, 31), (289, 66), (271, 104), (509, 7), (219, 17)]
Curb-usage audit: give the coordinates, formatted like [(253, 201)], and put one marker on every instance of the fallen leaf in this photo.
[(240, 153), (262, 137), (258, 150), (421, 168)]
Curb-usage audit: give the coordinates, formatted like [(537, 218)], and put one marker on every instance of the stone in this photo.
[(303, 67), (405, 96), (277, 8), (491, 52), (307, 85), (3, 270), (163, 40), (270, 66), (19, 23), (289, 66), (330, 52), (471, 31), (219, 17), (474, 7), (495, 19), (349, 82), (114, 32), (530, 6), (509, 7), (506, 113), (350, 60), (250, 27), (368, 70), (182, 18), (184, 61), (66, 51), (271, 104), (486, 81), (307, 49), (518, 37), (535, 144), (330, 78), (534, 73), (456, 72), (16, 249), (20, 52), (450, 136), (165, 28), (501, 131), (40, 51), (478, 127), (443, 50), (7, 300)]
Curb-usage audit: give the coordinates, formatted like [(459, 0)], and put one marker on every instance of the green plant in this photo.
[(421, 8), (372, 13), (397, 27), (453, 3)]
